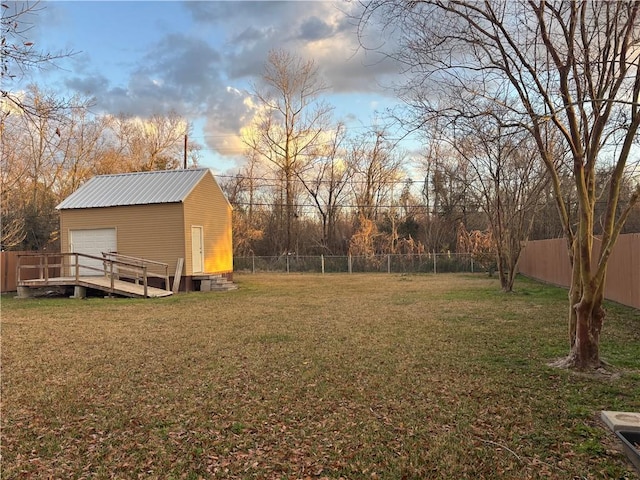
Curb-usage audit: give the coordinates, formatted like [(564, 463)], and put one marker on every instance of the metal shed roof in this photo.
[(142, 188)]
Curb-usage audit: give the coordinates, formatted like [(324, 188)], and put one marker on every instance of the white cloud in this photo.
[(230, 112), (205, 71)]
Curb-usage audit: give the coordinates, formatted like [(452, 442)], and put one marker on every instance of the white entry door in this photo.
[(92, 242), (197, 249)]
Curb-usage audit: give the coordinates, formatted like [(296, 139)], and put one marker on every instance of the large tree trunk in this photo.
[(503, 272), (575, 292), (586, 317), (585, 350)]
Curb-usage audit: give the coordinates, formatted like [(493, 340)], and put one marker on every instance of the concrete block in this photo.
[(79, 292), (627, 421), (24, 292)]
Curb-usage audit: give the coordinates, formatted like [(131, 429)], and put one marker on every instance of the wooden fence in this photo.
[(547, 260), (9, 269)]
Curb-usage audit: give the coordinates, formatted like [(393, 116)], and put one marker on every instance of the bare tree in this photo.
[(18, 55), (509, 180), (13, 169), (567, 66), (429, 166), (447, 193), (325, 179), (33, 161), (290, 123), (79, 142), (377, 169), (243, 191), (153, 143), (44, 158)]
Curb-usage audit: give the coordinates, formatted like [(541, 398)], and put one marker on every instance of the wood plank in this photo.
[(178, 275)]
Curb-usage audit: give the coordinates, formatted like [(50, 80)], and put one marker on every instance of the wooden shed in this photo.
[(171, 216)]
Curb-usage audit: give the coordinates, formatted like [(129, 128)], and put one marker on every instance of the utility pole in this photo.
[(185, 151)]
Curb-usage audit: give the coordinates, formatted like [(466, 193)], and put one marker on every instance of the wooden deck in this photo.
[(120, 287), (107, 278)]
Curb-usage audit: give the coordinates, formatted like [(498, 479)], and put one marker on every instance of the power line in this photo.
[(348, 206), (351, 181)]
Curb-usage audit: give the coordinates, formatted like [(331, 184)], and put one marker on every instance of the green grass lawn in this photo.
[(310, 376)]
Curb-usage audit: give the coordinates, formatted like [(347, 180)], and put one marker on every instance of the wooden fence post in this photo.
[(144, 273)]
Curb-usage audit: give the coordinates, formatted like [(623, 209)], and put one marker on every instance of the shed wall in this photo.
[(207, 206), (154, 232)]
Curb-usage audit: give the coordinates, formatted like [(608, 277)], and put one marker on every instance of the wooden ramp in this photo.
[(120, 287), (109, 281)]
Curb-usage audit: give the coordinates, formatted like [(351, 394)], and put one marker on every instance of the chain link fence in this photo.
[(426, 263)]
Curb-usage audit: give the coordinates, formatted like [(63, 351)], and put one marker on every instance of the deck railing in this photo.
[(136, 265), (113, 266)]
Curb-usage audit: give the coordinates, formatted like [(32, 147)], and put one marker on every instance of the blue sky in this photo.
[(200, 58)]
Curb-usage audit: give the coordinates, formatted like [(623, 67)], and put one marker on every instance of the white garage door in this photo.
[(93, 242)]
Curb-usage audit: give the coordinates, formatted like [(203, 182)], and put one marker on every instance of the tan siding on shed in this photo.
[(207, 206), (154, 232)]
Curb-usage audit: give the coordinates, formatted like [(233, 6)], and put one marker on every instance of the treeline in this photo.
[(309, 185), (371, 198), (355, 193)]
